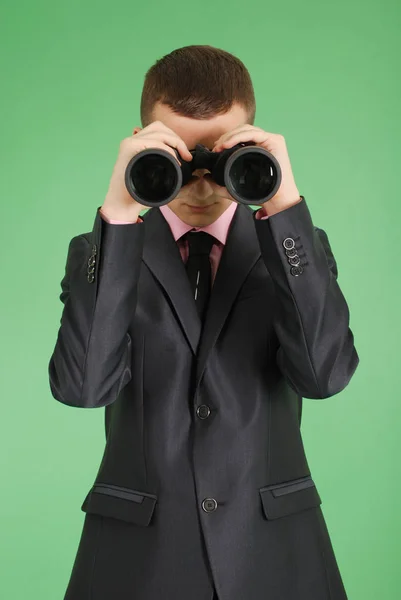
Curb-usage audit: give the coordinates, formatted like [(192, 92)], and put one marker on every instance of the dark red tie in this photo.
[(199, 268)]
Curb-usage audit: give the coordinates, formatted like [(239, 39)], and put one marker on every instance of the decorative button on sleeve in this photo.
[(91, 264), (292, 256)]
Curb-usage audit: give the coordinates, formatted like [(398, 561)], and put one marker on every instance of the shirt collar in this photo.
[(218, 229)]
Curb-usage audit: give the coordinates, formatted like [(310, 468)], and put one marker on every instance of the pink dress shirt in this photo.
[(218, 229)]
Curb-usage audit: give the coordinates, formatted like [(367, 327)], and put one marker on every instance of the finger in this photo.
[(174, 141), (229, 141), (228, 134), (245, 136), (159, 126)]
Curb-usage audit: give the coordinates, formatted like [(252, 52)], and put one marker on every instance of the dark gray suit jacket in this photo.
[(204, 480)]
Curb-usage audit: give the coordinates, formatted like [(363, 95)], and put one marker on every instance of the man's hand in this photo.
[(287, 195), (119, 204)]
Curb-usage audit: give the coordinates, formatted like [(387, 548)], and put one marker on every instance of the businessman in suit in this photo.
[(204, 490)]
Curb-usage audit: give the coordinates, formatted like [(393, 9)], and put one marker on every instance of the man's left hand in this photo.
[(287, 195)]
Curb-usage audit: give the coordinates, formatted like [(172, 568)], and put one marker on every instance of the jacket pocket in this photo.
[(118, 502), (282, 499)]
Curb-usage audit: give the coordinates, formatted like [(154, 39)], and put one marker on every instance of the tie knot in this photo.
[(199, 242)]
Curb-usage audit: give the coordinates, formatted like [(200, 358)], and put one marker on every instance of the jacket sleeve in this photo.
[(316, 354), (91, 361)]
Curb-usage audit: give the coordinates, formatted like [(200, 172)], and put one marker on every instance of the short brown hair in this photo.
[(198, 82)]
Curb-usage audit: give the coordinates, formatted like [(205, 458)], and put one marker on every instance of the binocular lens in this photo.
[(252, 176), (153, 177)]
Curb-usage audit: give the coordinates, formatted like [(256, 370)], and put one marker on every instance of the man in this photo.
[(204, 489)]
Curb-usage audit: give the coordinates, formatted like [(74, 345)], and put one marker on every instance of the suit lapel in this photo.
[(240, 253), (162, 255)]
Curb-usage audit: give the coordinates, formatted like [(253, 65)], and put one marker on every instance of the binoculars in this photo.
[(251, 174)]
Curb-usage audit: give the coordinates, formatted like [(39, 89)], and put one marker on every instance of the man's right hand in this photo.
[(119, 205)]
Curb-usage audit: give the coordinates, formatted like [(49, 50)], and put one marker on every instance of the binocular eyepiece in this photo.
[(251, 174)]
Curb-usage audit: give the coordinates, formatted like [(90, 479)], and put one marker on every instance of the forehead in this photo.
[(204, 131)]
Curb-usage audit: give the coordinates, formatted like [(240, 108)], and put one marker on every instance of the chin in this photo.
[(214, 207)]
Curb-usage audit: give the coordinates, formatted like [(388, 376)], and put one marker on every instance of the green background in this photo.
[(328, 79)]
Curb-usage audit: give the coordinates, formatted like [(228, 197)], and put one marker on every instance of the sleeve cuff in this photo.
[(115, 222)]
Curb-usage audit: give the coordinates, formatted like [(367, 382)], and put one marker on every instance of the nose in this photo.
[(200, 172)]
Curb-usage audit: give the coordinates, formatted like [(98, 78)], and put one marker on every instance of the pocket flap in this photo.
[(283, 499), (120, 503)]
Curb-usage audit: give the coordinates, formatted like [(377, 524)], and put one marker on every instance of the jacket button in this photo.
[(91, 265), (291, 252), (296, 271), (294, 260), (203, 411), (288, 243), (209, 504)]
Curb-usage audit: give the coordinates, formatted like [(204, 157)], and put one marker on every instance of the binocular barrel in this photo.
[(251, 174)]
